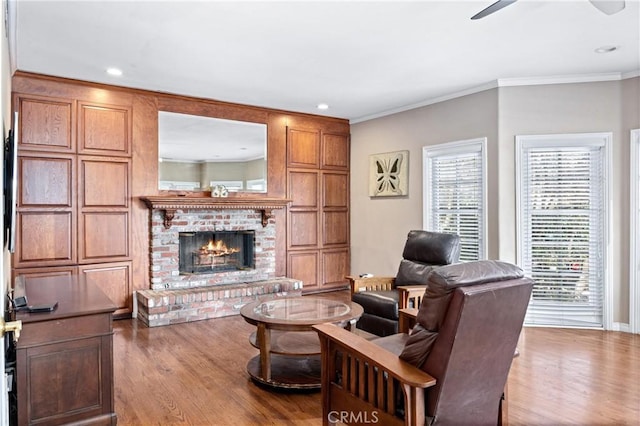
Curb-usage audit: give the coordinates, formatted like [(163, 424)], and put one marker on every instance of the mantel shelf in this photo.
[(169, 205)]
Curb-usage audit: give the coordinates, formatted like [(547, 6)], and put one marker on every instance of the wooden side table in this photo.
[(289, 348), (64, 358)]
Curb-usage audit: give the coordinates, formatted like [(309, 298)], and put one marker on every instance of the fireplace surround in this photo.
[(226, 279)]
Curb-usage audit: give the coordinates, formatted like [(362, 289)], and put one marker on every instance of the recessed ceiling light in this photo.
[(114, 71), (323, 106), (606, 49)]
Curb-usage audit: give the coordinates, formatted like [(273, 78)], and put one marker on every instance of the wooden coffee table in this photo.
[(289, 349)]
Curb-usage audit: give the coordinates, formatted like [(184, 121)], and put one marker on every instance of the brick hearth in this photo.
[(176, 298), (165, 307)]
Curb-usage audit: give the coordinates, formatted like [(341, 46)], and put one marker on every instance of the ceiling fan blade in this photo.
[(608, 6), (493, 8)]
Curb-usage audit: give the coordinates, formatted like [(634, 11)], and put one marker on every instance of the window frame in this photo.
[(634, 228), (604, 140), (451, 148)]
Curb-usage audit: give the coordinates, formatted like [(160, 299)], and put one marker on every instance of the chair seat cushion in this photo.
[(376, 325), (380, 303), (417, 345), (394, 343)]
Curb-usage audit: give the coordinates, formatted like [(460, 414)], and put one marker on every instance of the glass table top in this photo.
[(302, 309)]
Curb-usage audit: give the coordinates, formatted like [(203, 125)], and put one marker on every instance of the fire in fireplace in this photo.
[(213, 252)]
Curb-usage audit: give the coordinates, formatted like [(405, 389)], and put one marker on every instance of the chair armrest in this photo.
[(407, 319), (373, 354), (410, 293), (370, 284), (360, 375)]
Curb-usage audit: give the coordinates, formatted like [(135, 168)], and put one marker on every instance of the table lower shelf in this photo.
[(288, 372), (291, 342)]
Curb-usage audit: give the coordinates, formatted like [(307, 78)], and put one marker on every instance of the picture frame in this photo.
[(389, 174)]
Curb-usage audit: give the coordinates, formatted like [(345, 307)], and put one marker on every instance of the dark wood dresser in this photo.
[(64, 358)]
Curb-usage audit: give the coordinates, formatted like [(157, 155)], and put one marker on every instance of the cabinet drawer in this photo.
[(55, 330)]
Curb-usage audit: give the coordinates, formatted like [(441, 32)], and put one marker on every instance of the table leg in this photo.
[(351, 325), (264, 343)]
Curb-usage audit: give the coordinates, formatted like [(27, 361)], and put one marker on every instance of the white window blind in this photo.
[(455, 194), (563, 230)]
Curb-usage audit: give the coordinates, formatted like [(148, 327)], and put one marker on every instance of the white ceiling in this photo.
[(364, 59)]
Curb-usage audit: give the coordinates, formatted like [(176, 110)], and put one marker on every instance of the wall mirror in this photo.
[(197, 153)]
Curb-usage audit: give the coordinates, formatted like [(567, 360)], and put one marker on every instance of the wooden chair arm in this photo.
[(373, 354), (370, 284), (410, 293), (406, 319)]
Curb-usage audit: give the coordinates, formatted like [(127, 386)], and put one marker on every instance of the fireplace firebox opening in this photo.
[(216, 251)]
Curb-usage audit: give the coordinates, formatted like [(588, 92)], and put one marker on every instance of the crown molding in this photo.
[(506, 82), (630, 74), (559, 79), (431, 101)]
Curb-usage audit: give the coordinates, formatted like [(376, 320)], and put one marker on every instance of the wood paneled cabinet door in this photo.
[(114, 279), (46, 219), (74, 204), (104, 214), (318, 216), (104, 129), (45, 123)]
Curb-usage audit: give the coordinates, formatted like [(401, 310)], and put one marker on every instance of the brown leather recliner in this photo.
[(381, 297), (452, 368)]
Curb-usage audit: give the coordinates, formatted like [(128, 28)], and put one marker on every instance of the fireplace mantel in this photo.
[(169, 205)]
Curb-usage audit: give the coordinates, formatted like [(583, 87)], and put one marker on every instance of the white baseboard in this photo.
[(621, 326)]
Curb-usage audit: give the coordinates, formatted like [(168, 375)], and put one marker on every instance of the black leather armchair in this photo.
[(381, 297)]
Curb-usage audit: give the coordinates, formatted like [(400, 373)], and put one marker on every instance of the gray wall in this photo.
[(379, 227)]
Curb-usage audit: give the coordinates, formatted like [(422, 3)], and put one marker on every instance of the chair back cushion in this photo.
[(440, 284), (444, 280), (422, 251)]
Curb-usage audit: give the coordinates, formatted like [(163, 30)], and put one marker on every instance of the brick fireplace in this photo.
[(176, 297)]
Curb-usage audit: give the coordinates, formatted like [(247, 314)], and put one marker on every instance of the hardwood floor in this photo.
[(194, 374), (580, 377)]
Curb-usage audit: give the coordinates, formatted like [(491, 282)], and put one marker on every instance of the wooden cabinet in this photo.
[(103, 208), (58, 118), (318, 216), (114, 279), (64, 358), (88, 152), (104, 129), (74, 205)]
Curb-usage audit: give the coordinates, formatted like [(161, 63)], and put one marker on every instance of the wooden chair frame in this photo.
[(406, 293), (365, 384), (371, 374)]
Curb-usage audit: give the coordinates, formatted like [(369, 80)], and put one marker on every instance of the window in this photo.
[(634, 275), (178, 185), (563, 216), (257, 184), (455, 194), (231, 185)]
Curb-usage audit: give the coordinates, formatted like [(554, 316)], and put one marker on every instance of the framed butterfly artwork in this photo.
[(389, 174)]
